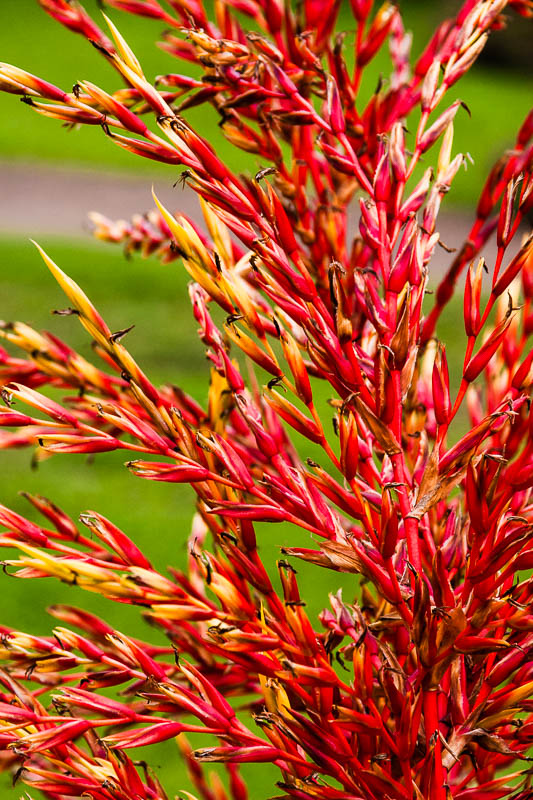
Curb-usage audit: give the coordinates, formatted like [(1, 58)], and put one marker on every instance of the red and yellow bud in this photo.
[(472, 297), (441, 387), (297, 366), (349, 445)]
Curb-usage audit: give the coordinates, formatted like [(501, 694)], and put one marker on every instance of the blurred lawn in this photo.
[(30, 39)]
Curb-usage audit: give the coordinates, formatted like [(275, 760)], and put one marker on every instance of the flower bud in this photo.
[(294, 417), (430, 136), (141, 737), (335, 113), (445, 153), (349, 446), (379, 29), (456, 69), (441, 387), (382, 179), (397, 152), (526, 131), (40, 402), (399, 343), (242, 755), (33, 83), (472, 297), (429, 86), (361, 9), (172, 473), (247, 345), (130, 120), (417, 196), (523, 376), (294, 359), (389, 525)]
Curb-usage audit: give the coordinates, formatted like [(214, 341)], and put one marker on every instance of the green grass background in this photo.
[(154, 297)]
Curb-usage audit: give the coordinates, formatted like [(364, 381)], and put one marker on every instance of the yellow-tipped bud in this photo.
[(124, 49), (445, 151), (89, 316), (177, 230), (218, 231)]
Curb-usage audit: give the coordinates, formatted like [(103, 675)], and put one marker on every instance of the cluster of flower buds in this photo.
[(421, 686)]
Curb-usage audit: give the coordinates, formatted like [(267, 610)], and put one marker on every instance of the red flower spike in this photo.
[(434, 648)]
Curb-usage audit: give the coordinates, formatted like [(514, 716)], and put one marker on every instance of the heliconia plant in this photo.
[(420, 684)]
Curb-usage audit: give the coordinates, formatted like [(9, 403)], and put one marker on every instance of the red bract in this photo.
[(435, 698)]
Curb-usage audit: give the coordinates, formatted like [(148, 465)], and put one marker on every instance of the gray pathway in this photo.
[(55, 201)]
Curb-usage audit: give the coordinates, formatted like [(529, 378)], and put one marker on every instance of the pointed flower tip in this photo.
[(163, 211), (177, 231), (89, 316), (123, 48), (46, 258), (56, 271)]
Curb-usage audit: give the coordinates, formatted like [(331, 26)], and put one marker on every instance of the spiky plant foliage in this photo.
[(435, 695)]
